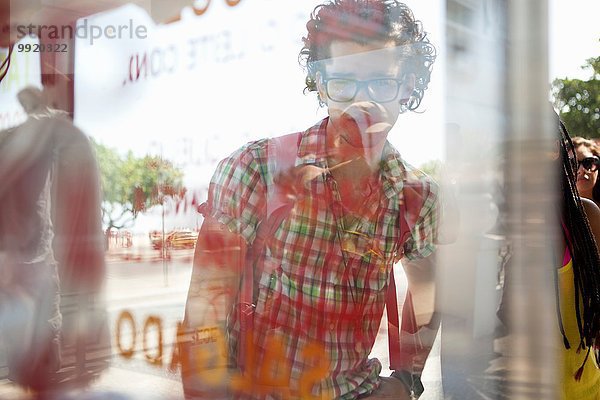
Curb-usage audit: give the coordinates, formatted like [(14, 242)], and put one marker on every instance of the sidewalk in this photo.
[(132, 379), (136, 379)]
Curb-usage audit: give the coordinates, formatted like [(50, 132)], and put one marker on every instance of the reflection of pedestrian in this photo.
[(50, 216)]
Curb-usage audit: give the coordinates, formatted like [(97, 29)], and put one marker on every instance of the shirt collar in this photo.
[(313, 149), (393, 169)]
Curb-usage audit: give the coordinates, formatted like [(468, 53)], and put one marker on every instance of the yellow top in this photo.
[(588, 388)]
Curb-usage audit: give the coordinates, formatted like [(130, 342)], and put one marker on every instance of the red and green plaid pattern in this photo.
[(310, 290)]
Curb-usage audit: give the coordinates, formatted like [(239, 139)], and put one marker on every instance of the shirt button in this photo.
[(358, 347)]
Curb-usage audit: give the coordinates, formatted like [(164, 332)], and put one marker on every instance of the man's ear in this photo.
[(407, 88), (321, 87)]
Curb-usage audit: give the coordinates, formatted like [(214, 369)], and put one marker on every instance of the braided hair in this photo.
[(580, 239)]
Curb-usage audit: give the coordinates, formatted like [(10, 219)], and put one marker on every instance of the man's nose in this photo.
[(362, 94)]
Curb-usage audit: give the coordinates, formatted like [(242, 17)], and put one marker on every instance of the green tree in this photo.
[(432, 168), (578, 101), (132, 185)]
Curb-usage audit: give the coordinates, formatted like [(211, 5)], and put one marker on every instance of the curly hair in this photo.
[(595, 150), (365, 21)]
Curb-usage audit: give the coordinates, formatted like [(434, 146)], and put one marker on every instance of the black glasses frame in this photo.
[(363, 84)]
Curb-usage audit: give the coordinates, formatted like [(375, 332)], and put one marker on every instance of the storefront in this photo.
[(165, 90)]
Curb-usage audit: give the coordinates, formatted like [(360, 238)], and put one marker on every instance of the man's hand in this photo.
[(294, 181)]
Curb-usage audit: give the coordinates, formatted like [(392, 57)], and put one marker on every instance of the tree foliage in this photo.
[(578, 101), (432, 168), (131, 184)]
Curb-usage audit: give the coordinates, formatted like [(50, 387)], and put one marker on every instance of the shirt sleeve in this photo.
[(421, 240), (236, 195)]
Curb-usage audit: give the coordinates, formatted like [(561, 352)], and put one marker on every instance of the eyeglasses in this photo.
[(590, 163), (381, 90)]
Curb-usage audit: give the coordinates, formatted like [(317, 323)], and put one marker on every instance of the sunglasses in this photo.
[(590, 163)]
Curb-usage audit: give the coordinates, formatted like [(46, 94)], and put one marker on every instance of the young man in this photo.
[(320, 259)]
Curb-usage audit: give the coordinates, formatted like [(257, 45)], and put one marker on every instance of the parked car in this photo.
[(182, 239), (156, 239), (175, 239)]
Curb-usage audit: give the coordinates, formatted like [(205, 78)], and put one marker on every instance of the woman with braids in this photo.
[(578, 282), (588, 159)]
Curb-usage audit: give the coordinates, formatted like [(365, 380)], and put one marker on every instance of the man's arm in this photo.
[(215, 282), (232, 214), (421, 283), (218, 266), (420, 322)]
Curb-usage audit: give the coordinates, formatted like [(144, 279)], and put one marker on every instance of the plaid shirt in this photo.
[(324, 277)]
